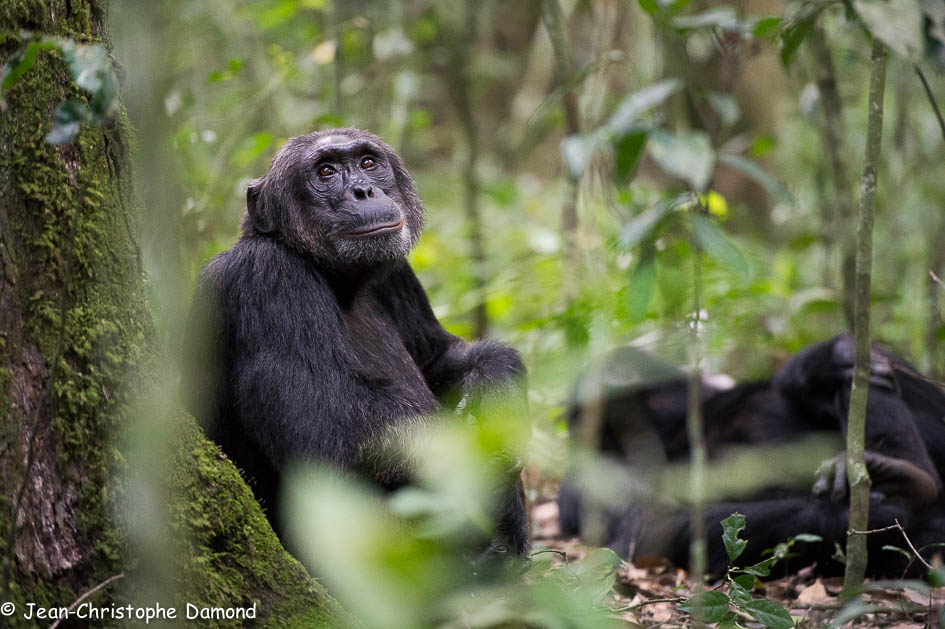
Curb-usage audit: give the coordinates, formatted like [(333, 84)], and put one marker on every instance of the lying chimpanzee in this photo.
[(905, 442)]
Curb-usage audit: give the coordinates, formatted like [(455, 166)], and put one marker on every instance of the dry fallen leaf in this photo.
[(814, 593)]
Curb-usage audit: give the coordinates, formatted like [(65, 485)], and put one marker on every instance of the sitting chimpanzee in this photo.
[(313, 338), (905, 442)]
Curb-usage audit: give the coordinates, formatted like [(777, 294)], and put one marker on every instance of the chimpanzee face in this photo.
[(342, 196)]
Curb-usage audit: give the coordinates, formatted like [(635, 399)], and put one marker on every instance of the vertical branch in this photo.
[(459, 82), (337, 63), (841, 214), (554, 23), (694, 431), (857, 474)]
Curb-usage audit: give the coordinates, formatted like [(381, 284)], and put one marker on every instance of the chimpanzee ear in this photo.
[(259, 211)]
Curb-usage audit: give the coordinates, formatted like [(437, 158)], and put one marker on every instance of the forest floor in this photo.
[(648, 593)]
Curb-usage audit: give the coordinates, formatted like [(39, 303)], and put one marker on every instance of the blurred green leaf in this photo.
[(793, 35), (597, 572), (636, 104), (577, 150), (725, 106), (627, 153), (772, 185), (67, 118), (21, 61), (719, 17), (641, 286), (717, 244), (688, 156), (897, 23), (253, 148), (731, 527), (644, 224), (770, 614), (808, 538), (713, 605), (767, 27)]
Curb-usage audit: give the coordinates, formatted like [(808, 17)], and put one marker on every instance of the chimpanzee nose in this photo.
[(362, 191)]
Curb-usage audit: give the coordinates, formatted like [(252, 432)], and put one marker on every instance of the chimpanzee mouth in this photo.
[(376, 229)]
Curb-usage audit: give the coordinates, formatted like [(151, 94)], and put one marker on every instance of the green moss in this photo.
[(229, 555)]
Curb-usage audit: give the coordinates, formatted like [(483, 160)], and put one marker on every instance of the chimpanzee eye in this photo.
[(325, 171), (368, 163)]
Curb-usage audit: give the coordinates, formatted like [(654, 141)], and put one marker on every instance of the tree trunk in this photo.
[(76, 345)]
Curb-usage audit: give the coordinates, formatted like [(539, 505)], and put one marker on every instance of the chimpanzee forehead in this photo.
[(342, 145)]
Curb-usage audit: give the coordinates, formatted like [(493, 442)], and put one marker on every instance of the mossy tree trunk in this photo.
[(76, 345)]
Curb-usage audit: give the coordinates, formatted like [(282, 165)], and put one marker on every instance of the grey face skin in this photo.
[(342, 197)]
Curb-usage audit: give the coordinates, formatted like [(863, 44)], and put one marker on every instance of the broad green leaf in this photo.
[(688, 156), (739, 595), (770, 614), (725, 106), (897, 23), (745, 581), (761, 569), (627, 152), (717, 244), (638, 103), (793, 36), (644, 224), (713, 605), (772, 185), (642, 283), (731, 527)]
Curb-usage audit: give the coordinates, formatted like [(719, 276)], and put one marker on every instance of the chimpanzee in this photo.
[(313, 338), (905, 442)]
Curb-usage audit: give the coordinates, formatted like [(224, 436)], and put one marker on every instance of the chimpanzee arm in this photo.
[(451, 366)]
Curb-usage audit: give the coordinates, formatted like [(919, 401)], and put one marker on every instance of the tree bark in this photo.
[(77, 344)]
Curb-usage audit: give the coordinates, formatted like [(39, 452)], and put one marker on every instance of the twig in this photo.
[(928, 92), (936, 279), (652, 601), (893, 527), (550, 550), (76, 602)]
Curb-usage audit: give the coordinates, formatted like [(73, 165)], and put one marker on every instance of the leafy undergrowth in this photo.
[(653, 593)]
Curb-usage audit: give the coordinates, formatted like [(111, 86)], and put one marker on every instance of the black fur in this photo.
[(314, 338), (905, 443)]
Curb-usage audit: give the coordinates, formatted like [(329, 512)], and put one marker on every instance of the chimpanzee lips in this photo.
[(376, 229)]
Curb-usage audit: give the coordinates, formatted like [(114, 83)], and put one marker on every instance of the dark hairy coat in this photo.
[(315, 347)]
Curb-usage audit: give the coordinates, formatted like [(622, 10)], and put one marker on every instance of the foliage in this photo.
[(91, 69), (717, 607), (415, 558), (703, 135)]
